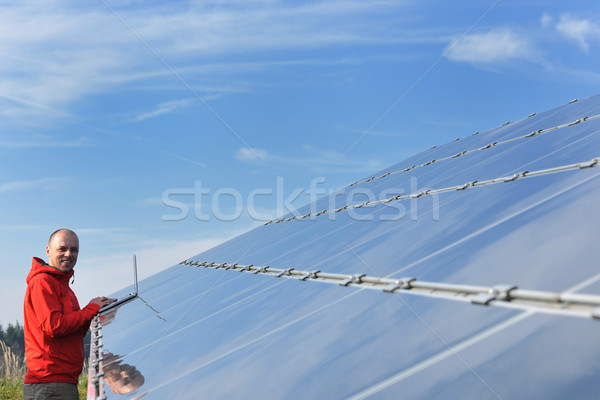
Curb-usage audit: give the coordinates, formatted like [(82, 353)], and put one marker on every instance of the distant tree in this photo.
[(14, 337)]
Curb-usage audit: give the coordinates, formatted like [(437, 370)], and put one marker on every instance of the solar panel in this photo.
[(467, 271)]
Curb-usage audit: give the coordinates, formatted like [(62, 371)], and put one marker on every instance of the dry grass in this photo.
[(12, 372), (11, 366)]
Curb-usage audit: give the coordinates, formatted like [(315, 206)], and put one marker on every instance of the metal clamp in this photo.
[(517, 176), (498, 292), (287, 272), (534, 133), (230, 266), (309, 275), (467, 185), (578, 121), (489, 146), (259, 270), (589, 164), (352, 279), (398, 197), (403, 283), (423, 193), (96, 379)]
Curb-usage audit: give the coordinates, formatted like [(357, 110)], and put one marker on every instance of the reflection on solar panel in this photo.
[(505, 221)]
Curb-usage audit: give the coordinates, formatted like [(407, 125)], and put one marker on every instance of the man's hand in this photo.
[(102, 301)]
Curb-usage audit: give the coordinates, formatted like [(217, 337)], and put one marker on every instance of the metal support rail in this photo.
[(96, 359), (582, 305), (582, 165), (486, 147)]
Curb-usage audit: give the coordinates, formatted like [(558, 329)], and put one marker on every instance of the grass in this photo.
[(12, 372)]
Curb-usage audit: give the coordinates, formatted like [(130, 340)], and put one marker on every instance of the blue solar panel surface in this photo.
[(213, 333)]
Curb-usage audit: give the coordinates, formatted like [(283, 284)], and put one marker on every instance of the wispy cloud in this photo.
[(581, 30), (164, 108), (23, 185), (57, 52), (496, 46), (42, 140), (247, 154), (313, 159)]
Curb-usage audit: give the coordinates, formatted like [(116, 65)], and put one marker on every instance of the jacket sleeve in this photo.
[(49, 311)]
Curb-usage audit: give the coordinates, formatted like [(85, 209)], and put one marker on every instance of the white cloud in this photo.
[(164, 108), (251, 154), (41, 140), (22, 185), (313, 159), (547, 20), (580, 30), (496, 46), (55, 53)]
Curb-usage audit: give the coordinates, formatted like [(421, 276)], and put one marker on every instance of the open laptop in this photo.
[(130, 296)]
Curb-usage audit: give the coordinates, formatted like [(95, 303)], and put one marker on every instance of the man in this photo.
[(54, 324)]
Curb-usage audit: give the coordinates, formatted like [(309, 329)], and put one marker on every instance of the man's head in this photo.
[(63, 249)]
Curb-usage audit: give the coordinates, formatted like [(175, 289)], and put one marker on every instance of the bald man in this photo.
[(54, 324)]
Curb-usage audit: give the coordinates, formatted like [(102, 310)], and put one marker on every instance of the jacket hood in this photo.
[(39, 266)]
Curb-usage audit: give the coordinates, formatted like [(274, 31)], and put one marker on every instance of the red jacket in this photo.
[(54, 326)]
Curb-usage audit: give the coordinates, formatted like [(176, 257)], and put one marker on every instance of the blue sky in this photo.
[(164, 128)]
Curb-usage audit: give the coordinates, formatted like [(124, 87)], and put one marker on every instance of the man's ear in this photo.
[(47, 250)]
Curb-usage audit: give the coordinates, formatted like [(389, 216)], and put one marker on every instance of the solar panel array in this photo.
[(467, 271)]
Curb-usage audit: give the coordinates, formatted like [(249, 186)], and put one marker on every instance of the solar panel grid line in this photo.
[(454, 350), (253, 341), (407, 283), (172, 332), (214, 285), (581, 165), (580, 304), (486, 147), (493, 225)]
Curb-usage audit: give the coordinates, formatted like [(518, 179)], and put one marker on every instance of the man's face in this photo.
[(62, 251)]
